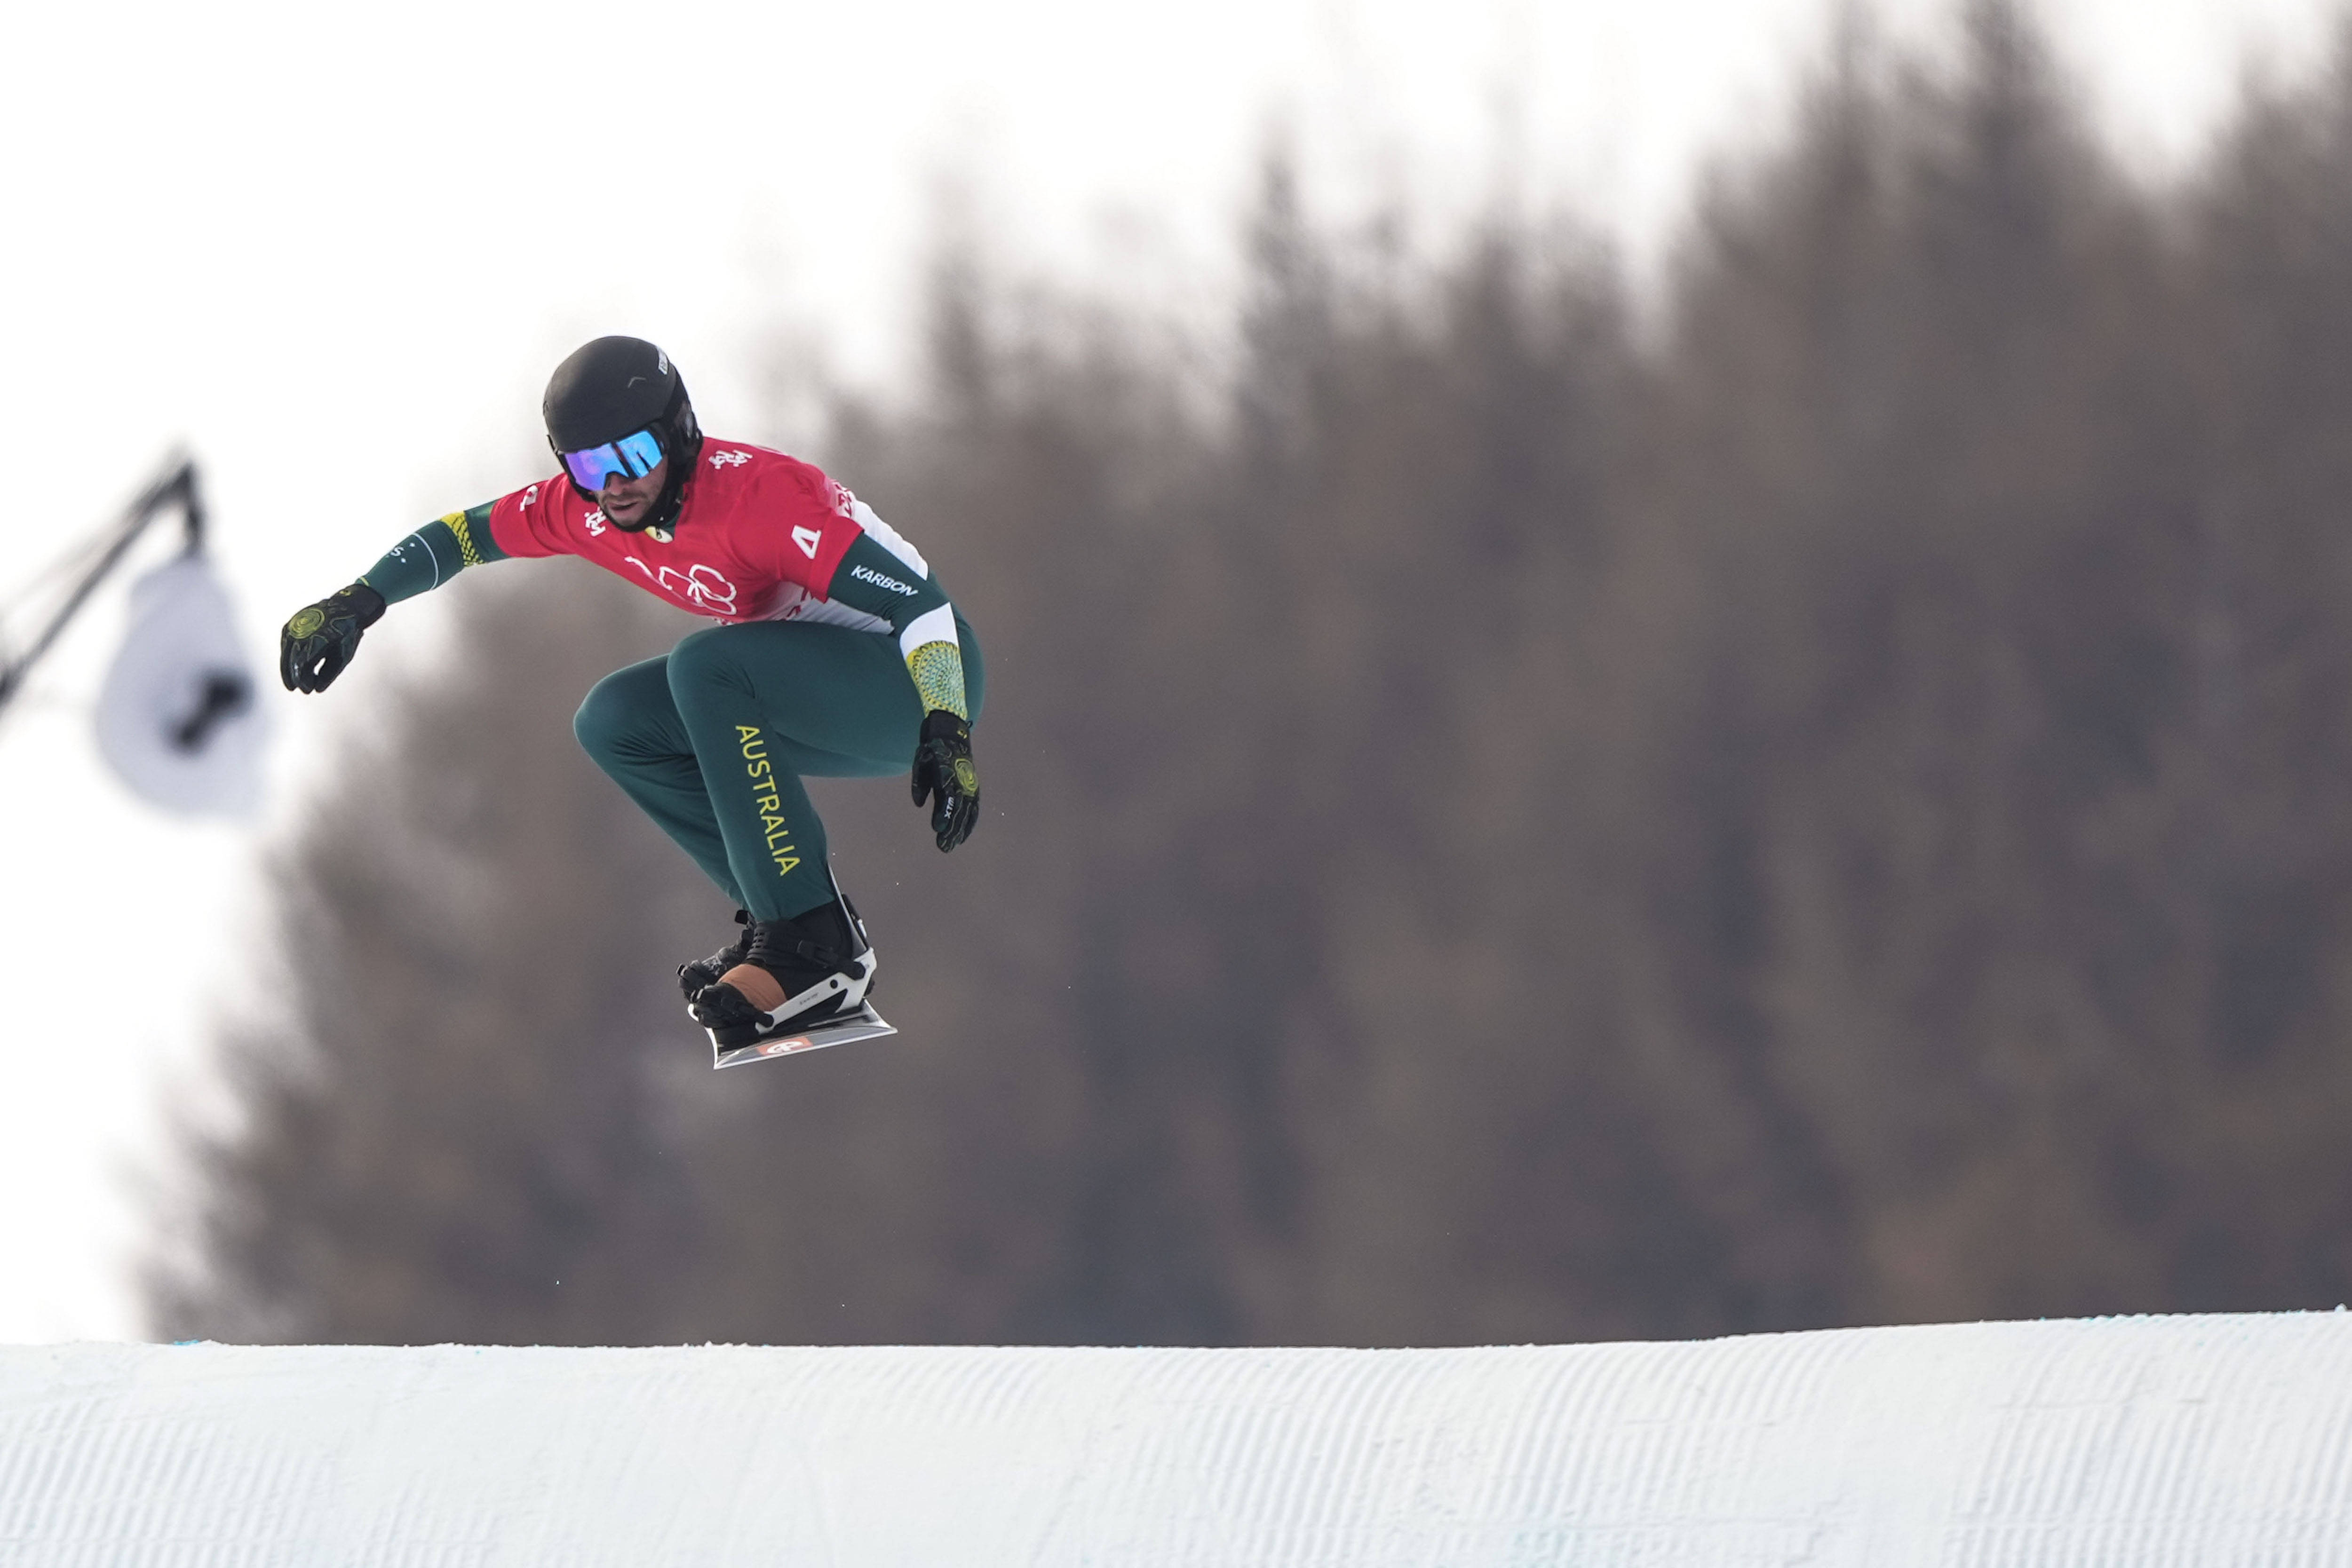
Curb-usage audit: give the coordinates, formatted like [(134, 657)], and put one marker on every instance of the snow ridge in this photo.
[(2144, 1441)]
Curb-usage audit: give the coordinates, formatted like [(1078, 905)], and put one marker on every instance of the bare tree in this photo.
[(1498, 827)]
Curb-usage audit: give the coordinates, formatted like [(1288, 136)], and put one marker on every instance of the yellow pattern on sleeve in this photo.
[(467, 554), (938, 669)]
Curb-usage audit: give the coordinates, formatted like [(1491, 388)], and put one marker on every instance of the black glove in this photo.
[(319, 640), (943, 773)]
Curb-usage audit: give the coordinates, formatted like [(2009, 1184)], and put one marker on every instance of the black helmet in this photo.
[(615, 387)]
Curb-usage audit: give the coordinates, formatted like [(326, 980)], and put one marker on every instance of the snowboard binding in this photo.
[(793, 975), (701, 972)]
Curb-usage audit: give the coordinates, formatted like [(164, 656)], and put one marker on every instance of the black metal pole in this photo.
[(176, 486)]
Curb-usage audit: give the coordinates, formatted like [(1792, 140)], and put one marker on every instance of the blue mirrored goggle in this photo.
[(631, 457)]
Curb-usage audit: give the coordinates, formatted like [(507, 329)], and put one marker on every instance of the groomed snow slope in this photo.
[(2139, 1442)]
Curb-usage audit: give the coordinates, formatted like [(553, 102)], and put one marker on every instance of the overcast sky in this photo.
[(335, 251)]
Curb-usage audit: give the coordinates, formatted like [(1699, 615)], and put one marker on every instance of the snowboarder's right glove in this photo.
[(320, 639), (943, 773)]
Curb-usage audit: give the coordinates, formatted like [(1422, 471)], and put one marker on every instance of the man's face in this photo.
[(627, 501)]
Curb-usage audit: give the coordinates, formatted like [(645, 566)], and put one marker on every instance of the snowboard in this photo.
[(845, 1029)]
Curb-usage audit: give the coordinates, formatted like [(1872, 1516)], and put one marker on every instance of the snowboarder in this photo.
[(836, 654)]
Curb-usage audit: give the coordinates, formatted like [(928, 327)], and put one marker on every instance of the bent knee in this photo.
[(622, 711), (601, 721), (700, 657)]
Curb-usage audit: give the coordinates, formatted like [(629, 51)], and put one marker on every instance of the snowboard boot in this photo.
[(692, 978), (797, 972)]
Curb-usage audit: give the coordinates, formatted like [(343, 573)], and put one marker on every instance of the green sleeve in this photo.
[(433, 554), (873, 579)]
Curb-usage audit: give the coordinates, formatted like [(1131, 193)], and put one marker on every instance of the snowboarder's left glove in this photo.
[(320, 639), (943, 775)]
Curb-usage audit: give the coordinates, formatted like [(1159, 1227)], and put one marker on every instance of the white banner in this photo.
[(179, 717)]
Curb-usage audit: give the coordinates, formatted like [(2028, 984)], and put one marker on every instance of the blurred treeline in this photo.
[(1506, 820)]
